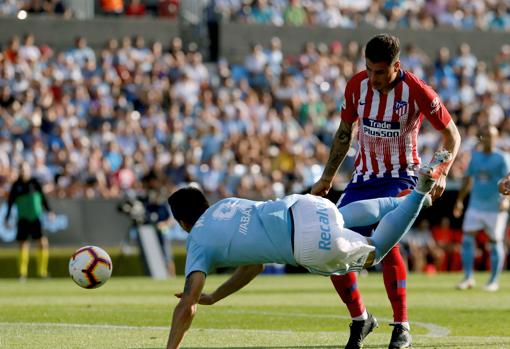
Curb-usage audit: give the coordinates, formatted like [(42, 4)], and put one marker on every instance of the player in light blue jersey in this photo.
[(487, 208), (304, 230)]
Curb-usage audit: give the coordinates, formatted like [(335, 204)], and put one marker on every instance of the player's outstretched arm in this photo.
[(451, 142), (186, 309), (339, 148), (240, 278), (465, 188)]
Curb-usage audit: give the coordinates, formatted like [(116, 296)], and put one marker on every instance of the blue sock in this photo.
[(395, 224), (468, 254), (497, 260)]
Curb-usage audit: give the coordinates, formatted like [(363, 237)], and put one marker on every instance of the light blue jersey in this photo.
[(236, 232), (486, 170)]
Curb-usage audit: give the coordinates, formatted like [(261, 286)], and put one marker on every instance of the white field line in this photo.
[(123, 327), (433, 329), (213, 330)]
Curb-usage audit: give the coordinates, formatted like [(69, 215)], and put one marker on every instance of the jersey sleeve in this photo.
[(505, 168), (349, 111), (431, 106), (197, 259)]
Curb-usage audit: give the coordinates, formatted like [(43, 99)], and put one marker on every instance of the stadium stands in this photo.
[(94, 122), (260, 129), (386, 14)]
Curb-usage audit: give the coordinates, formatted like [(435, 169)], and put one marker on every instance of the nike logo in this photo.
[(361, 103)]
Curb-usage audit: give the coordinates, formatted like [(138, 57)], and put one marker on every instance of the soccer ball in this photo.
[(90, 267)]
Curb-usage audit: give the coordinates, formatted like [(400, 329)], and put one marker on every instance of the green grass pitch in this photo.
[(296, 311)]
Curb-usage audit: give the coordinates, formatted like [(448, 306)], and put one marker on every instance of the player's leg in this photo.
[(371, 211), (468, 259), (355, 216), (472, 224), (43, 251), (395, 282), (43, 256), (347, 288), (396, 223), (24, 249), (389, 231), (496, 230), (23, 259), (367, 212), (397, 216)]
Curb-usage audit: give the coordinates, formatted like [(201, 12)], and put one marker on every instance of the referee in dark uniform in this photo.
[(26, 193)]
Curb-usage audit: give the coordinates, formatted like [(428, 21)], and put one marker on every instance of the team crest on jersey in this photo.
[(227, 210), (401, 108)]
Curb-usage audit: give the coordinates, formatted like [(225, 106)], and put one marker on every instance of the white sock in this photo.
[(363, 316), (405, 324)]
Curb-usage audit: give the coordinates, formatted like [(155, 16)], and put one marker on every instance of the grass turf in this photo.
[(297, 311)]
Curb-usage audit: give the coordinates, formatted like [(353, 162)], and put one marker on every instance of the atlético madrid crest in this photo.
[(400, 108)]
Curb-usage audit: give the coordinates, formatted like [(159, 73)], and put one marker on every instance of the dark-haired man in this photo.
[(389, 104), (301, 230)]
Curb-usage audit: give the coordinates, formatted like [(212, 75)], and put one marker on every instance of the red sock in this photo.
[(347, 288), (395, 275)]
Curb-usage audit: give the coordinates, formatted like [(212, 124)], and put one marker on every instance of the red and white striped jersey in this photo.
[(389, 124)]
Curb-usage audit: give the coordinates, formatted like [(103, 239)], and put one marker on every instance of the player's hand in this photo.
[(504, 205), (438, 188), (504, 186), (458, 208), (7, 224), (206, 299), (321, 187), (51, 216)]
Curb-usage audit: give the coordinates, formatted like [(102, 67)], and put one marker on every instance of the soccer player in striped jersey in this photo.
[(301, 230), (388, 104)]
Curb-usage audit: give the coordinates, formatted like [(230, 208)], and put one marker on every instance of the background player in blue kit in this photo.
[(301, 230), (487, 209)]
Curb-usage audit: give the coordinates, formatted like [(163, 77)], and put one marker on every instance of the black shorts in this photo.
[(28, 228)]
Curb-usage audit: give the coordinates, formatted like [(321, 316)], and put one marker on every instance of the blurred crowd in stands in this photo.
[(381, 14), (47, 7), (92, 124), (387, 14), (160, 8)]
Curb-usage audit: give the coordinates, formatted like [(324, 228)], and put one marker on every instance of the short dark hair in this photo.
[(188, 204), (383, 48)]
